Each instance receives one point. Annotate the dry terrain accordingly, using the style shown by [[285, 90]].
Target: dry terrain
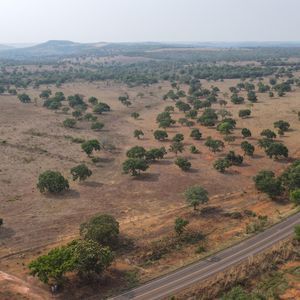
[[32, 140]]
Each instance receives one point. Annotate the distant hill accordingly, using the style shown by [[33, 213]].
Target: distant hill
[[5, 47]]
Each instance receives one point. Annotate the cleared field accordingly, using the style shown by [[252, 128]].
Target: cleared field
[[32, 140]]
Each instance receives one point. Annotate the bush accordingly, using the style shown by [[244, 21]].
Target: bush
[[89, 146], [222, 164], [81, 172], [183, 163], [69, 123], [97, 126], [52, 182]]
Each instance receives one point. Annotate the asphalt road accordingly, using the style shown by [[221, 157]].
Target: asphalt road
[[185, 277]]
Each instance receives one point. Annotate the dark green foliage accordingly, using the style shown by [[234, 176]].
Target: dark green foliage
[[295, 196], [69, 123], [234, 159], [155, 154], [282, 125], [176, 147], [90, 117], [138, 133], [97, 126], [180, 225], [251, 96], [76, 114], [276, 150], [52, 103], [297, 232], [196, 134], [208, 118], [89, 146], [246, 132], [135, 115], [247, 148], [81, 172], [52, 182], [244, 113], [101, 108], [45, 94], [160, 135], [269, 134], [193, 149], [236, 99], [135, 166], [93, 100], [182, 106], [178, 137], [222, 164], [290, 178], [24, 98], [265, 143], [136, 152], [214, 145], [103, 229], [183, 163], [76, 101], [265, 181], [196, 195]]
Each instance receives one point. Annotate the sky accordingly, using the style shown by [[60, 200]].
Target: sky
[[35, 21]]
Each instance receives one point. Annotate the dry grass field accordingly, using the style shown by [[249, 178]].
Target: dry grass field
[[32, 140]]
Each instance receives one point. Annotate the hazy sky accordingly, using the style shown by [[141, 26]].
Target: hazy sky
[[149, 20]]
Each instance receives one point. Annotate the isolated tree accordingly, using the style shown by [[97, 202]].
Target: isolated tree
[[52, 182], [24, 98], [282, 125], [169, 109], [89, 146], [214, 145], [93, 100], [193, 149], [266, 182], [59, 96], [222, 164], [276, 150], [236, 99], [182, 106], [234, 159], [101, 108], [76, 114], [196, 195], [176, 147], [251, 96], [180, 225], [135, 166], [268, 133], [138, 133], [90, 117], [45, 94], [196, 134], [97, 126], [290, 178], [244, 113], [103, 229], [178, 137], [69, 123], [160, 135], [246, 132], [135, 115], [136, 152], [81, 172], [183, 163], [247, 148]]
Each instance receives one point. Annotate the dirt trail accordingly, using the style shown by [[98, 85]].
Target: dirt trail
[[12, 287]]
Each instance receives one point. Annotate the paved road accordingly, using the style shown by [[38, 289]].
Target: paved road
[[172, 283]]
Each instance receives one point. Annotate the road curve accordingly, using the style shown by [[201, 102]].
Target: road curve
[[185, 277]]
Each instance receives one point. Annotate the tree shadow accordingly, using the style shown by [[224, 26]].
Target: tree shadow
[[256, 156], [93, 184], [149, 177], [211, 211], [193, 171], [67, 194], [6, 232], [164, 162]]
